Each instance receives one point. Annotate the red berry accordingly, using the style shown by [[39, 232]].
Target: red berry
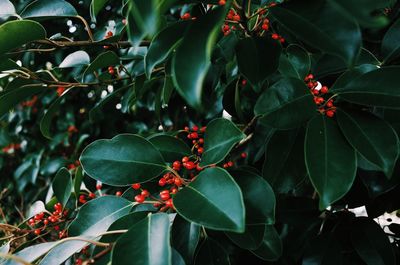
[[174, 190], [329, 104], [145, 193], [118, 193], [265, 26], [201, 141], [45, 221], [203, 129], [324, 90], [186, 128], [243, 155], [195, 128], [139, 198], [92, 195], [164, 195], [275, 36], [136, 186], [178, 182], [200, 150], [37, 232], [185, 16], [176, 164], [194, 135], [162, 182], [236, 17], [56, 228], [169, 203], [111, 71], [330, 113], [189, 165], [98, 186], [185, 159], [230, 164], [222, 2]]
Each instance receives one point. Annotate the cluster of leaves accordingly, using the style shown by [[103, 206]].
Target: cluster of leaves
[[98, 165]]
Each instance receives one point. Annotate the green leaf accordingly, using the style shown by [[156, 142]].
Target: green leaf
[[252, 55], [295, 62], [105, 59], [330, 160], [251, 239], [18, 33], [258, 196], [122, 223], [95, 7], [323, 250], [220, 137], [45, 122], [49, 9], [211, 252], [6, 9], [372, 137], [32, 253], [368, 13], [93, 219], [147, 242], [62, 186], [350, 75], [189, 68], [284, 165], [10, 99], [78, 58], [390, 45], [271, 246], [143, 20], [375, 88], [123, 160], [177, 258], [371, 242], [170, 147], [184, 238], [213, 200], [311, 21], [98, 112], [286, 104], [163, 44]]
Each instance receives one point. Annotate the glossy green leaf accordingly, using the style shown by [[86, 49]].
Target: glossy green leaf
[[78, 58], [62, 185], [372, 137], [46, 121], [367, 12], [220, 137], [323, 250], [123, 160], [95, 7], [177, 258], [48, 8], [10, 99], [170, 147], [284, 166], [213, 200], [311, 21], [104, 60], [286, 104], [200, 37], [147, 242], [185, 237], [350, 75], [252, 55], [271, 246], [163, 44], [211, 252], [18, 33], [251, 238], [258, 196], [93, 219], [371, 242], [32, 253], [390, 45], [6, 9], [125, 222], [375, 88], [330, 160], [143, 19], [295, 62]]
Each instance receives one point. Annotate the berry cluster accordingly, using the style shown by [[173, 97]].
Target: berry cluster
[[40, 222], [231, 18], [30, 103], [74, 165], [319, 92]]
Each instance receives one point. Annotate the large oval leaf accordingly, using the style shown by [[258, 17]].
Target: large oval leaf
[[311, 21], [32, 253], [372, 137], [123, 160], [170, 147], [286, 104], [213, 200], [189, 69], [62, 185], [49, 8], [252, 55], [163, 44], [18, 33], [220, 137], [371, 242], [295, 62], [251, 238], [330, 160], [10, 99], [93, 219], [147, 242], [390, 45], [6, 9], [184, 238], [375, 88], [78, 58], [271, 246]]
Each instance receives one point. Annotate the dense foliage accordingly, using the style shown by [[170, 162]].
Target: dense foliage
[[154, 132]]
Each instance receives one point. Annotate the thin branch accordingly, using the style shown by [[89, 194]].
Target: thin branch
[[86, 27]]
